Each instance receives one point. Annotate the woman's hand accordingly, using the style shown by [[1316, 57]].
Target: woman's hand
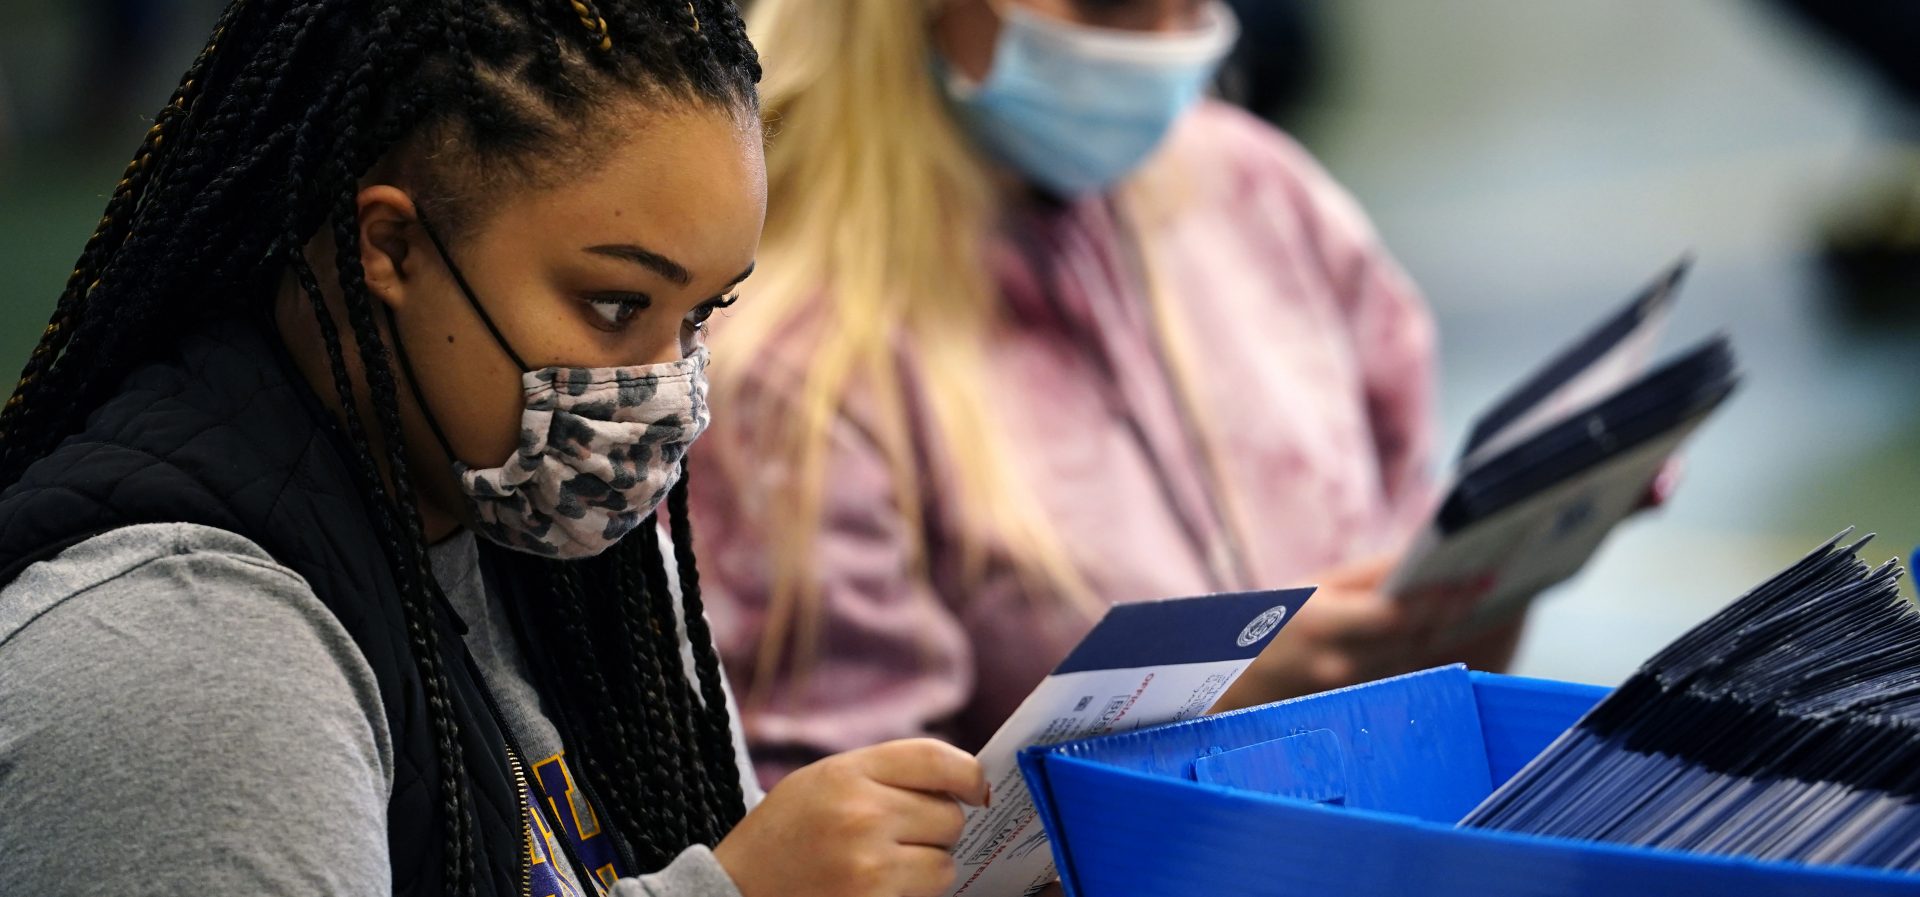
[[875, 822], [1349, 632]]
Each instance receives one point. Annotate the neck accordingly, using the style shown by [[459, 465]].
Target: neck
[[437, 525]]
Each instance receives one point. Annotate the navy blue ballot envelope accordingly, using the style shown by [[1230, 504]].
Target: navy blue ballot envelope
[[1784, 728], [1557, 463]]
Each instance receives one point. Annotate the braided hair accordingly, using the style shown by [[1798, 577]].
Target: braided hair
[[263, 145]]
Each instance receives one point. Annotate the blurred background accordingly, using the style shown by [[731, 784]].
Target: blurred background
[[1532, 164]]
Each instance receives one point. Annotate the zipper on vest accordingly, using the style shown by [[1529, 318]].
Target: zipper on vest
[[526, 828], [538, 800]]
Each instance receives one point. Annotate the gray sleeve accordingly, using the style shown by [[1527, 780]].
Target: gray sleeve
[[694, 873], [178, 714]]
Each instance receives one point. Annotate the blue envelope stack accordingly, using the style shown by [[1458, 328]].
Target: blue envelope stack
[[1356, 793]]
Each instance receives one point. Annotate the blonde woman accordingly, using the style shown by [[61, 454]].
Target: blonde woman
[[1039, 329]]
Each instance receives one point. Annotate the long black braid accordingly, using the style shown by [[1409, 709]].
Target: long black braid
[[718, 730], [260, 148]]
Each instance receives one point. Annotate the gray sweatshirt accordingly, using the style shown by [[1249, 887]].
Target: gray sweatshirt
[[181, 715]]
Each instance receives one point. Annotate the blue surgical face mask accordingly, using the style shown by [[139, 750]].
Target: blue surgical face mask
[[1076, 109]]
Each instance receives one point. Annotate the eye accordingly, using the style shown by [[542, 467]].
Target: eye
[[616, 309], [698, 318]]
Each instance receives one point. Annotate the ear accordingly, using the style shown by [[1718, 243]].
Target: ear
[[390, 242]]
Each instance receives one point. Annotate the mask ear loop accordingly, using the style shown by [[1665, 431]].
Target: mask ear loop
[[406, 361], [467, 291], [413, 385]]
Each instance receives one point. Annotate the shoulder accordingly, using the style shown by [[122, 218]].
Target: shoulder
[[1226, 137], [145, 553], [170, 677], [1231, 158], [178, 572], [190, 616]]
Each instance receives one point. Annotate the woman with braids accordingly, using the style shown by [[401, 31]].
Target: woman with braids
[[387, 275], [1121, 342]]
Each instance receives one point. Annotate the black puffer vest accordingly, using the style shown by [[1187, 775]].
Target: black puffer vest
[[227, 434]]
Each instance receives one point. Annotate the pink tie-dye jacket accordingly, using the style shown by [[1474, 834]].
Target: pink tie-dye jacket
[[1313, 374]]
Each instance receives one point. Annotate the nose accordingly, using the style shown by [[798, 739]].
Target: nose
[[683, 348], [1149, 16], [1176, 16]]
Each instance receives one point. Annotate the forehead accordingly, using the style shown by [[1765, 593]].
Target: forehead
[[685, 180]]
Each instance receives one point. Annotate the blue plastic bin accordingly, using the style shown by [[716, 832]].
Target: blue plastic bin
[[1354, 793]]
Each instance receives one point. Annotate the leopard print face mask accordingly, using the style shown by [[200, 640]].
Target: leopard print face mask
[[599, 448]]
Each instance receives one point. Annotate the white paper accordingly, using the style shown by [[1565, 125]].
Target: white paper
[[1004, 851]]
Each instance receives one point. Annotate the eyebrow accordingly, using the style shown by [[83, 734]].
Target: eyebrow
[[646, 258], [742, 276], [659, 264]]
